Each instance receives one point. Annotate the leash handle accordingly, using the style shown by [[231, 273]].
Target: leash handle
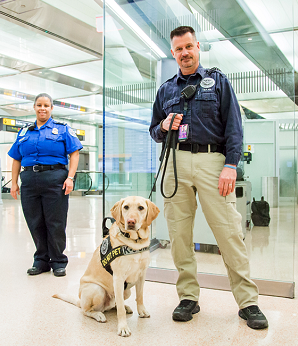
[[171, 139]]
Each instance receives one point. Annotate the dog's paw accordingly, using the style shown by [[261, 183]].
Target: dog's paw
[[143, 313], [100, 317], [97, 315], [123, 330], [128, 309]]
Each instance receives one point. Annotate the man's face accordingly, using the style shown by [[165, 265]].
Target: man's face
[[185, 50]]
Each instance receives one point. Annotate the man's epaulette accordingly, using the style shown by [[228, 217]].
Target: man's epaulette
[[59, 122], [168, 80], [211, 70]]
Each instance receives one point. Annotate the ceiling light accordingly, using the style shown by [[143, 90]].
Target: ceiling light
[[134, 27], [249, 39]]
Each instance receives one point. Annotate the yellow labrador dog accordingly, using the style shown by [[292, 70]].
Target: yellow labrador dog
[[118, 264]]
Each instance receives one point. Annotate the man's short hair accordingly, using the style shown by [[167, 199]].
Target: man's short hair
[[182, 30]]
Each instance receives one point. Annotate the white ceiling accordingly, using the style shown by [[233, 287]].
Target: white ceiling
[[32, 85], [7, 71], [24, 44], [91, 72], [84, 10], [274, 14]]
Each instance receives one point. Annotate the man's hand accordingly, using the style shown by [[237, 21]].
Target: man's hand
[[68, 186], [176, 123], [14, 190], [227, 179]]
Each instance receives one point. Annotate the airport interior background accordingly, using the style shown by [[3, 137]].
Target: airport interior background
[[103, 61]]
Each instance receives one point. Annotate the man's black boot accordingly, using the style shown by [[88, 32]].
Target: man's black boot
[[185, 310], [254, 316]]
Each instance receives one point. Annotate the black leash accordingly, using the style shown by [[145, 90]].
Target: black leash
[[170, 144], [187, 93]]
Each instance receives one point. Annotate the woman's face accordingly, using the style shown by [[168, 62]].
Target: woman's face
[[43, 109]]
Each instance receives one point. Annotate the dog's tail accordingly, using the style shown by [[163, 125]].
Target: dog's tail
[[69, 299]]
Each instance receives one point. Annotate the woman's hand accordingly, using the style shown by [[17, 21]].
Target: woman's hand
[[15, 190], [68, 186], [73, 165], [15, 171]]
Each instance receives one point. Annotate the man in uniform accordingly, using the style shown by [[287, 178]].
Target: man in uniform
[[208, 150]]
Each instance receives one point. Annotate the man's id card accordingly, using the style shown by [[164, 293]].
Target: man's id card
[[183, 132]]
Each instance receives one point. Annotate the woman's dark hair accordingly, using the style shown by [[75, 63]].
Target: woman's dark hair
[[44, 95], [182, 30]]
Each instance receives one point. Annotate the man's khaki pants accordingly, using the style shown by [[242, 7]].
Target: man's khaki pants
[[199, 173]]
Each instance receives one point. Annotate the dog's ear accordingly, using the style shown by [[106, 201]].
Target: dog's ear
[[116, 210], [152, 212]]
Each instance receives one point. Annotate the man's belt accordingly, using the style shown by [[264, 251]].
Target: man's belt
[[200, 148], [41, 168]]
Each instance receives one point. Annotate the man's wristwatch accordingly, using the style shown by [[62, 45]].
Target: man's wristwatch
[[161, 128], [70, 178]]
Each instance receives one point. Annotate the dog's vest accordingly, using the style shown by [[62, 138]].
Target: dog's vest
[[108, 254]]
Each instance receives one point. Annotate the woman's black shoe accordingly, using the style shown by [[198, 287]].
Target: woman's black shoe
[[60, 272], [36, 271], [185, 310]]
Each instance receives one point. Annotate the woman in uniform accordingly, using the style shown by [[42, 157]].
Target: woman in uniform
[[42, 150]]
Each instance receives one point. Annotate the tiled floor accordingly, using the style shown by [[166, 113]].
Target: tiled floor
[[30, 316]]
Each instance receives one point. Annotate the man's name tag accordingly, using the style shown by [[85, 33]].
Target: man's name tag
[[183, 132]]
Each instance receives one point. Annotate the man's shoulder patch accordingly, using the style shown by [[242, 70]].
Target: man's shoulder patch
[[211, 70], [168, 80]]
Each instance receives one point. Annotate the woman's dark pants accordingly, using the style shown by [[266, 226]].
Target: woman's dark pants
[[45, 209]]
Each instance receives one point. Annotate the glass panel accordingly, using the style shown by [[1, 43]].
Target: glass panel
[[129, 88], [256, 53]]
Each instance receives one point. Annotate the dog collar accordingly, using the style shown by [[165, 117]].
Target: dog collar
[[127, 235]]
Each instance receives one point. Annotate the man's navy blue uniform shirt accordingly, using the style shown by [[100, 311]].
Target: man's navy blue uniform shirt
[[213, 113], [48, 145]]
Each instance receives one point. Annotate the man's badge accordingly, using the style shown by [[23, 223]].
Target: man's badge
[[207, 83], [55, 131]]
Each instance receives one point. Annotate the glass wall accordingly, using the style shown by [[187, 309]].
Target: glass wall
[[109, 101], [129, 88], [253, 43]]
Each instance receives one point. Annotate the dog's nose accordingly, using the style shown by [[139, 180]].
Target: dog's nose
[[131, 222]]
